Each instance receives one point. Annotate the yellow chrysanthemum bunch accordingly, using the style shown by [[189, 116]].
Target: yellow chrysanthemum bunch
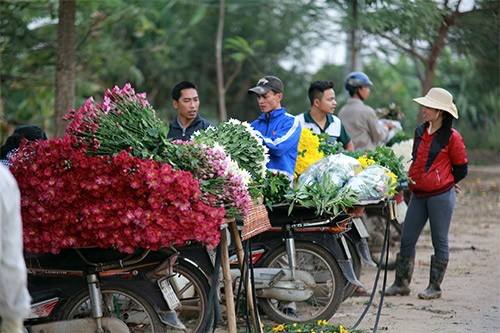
[[392, 181], [308, 151], [365, 161]]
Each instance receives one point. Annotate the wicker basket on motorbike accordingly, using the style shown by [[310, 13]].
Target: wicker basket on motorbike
[[256, 220]]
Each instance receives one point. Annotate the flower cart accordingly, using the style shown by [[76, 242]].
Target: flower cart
[[115, 182]]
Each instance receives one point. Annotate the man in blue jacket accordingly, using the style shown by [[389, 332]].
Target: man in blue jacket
[[279, 130], [186, 101]]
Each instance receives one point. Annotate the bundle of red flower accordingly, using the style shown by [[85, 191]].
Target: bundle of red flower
[[73, 199]]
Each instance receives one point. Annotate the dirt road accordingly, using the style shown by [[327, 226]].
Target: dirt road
[[471, 292]]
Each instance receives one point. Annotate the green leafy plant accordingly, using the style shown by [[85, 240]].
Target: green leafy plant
[[274, 188], [325, 196], [384, 156], [398, 137], [329, 148]]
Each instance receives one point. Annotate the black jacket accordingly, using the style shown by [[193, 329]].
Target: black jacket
[[177, 132]]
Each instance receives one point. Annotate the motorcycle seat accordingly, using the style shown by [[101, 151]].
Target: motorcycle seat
[[70, 259]]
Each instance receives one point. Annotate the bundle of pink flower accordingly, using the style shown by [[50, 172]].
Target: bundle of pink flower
[[125, 120], [73, 199]]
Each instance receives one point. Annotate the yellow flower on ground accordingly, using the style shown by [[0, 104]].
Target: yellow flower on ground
[[342, 329], [308, 151]]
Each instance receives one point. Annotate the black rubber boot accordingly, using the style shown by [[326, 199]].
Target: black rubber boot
[[404, 272], [438, 268]]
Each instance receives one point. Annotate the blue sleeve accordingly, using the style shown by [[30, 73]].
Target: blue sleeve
[[287, 138]]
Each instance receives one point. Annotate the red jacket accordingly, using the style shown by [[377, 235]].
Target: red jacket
[[436, 169]]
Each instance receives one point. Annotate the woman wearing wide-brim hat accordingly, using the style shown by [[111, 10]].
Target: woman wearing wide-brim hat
[[439, 162]]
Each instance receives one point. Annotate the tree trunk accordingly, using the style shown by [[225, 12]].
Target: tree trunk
[[65, 65], [219, 67], [431, 61], [353, 41]]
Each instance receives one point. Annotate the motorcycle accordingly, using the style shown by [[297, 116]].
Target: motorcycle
[[301, 264], [82, 290]]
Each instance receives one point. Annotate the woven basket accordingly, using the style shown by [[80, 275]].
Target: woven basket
[[256, 221]]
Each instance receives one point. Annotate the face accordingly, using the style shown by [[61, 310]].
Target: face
[[188, 104], [430, 114], [328, 102], [269, 101], [365, 92]]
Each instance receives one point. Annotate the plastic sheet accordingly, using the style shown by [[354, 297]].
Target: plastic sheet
[[340, 167], [373, 183]]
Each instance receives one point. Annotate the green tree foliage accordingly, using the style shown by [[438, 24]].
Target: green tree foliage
[[439, 43], [27, 92], [155, 44], [474, 65]]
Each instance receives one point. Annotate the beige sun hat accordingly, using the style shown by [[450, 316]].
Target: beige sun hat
[[438, 98]]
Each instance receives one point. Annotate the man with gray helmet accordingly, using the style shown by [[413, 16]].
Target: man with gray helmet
[[359, 119]]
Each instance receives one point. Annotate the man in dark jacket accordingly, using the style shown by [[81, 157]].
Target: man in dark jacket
[[186, 101]]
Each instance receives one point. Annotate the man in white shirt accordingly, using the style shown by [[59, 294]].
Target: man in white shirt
[[320, 118], [14, 296]]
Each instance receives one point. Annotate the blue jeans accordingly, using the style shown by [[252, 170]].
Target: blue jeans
[[438, 209]]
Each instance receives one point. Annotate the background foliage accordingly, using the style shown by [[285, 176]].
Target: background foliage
[[155, 44]]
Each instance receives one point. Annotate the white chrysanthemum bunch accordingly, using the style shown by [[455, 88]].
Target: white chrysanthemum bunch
[[241, 142], [404, 148], [262, 152]]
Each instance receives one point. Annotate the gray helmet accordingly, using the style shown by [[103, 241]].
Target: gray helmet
[[356, 80]]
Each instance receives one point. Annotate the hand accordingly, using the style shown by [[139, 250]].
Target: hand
[[458, 189], [389, 125]]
